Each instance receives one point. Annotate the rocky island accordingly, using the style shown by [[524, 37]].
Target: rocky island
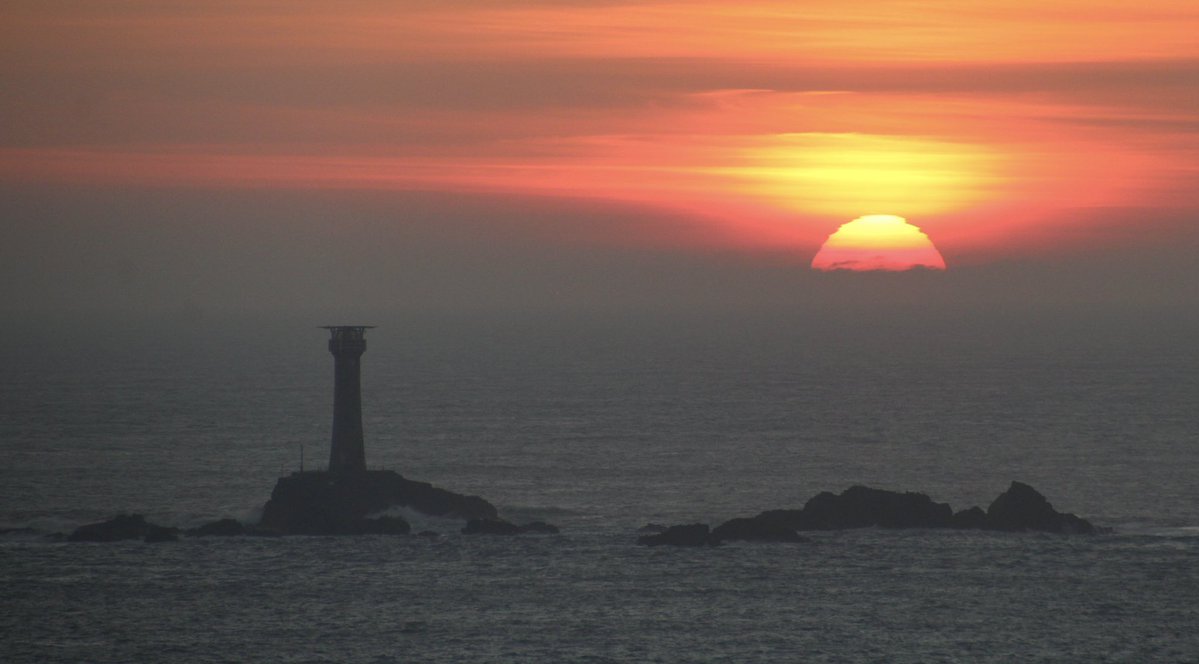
[[344, 499], [325, 503], [348, 499], [1020, 508]]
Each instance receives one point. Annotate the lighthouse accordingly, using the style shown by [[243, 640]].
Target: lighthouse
[[343, 500], [346, 452]]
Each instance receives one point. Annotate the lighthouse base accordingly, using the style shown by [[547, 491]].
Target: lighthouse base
[[324, 503]]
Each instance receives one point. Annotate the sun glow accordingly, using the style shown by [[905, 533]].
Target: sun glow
[[838, 173], [878, 242], [761, 121]]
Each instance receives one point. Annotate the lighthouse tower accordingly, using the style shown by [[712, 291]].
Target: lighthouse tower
[[346, 453]]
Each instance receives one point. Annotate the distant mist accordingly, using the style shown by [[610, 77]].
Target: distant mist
[[196, 258]]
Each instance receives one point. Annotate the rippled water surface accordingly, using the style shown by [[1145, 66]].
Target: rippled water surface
[[600, 431], [860, 596]]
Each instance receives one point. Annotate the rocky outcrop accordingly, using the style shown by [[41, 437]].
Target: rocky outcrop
[[498, 526], [320, 503], [124, 527], [323, 503], [1022, 507], [862, 507], [973, 518], [1019, 508], [695, 534]]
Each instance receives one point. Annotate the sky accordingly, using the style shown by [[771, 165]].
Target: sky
[[370, 158]]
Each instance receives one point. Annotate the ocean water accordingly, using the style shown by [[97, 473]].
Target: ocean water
[[601, 426]]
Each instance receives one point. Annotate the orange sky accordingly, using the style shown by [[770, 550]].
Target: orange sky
[[777, 120]]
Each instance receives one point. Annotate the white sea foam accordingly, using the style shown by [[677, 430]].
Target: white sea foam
[[421, 521]]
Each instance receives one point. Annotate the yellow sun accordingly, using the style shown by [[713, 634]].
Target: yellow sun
[[878, 242]]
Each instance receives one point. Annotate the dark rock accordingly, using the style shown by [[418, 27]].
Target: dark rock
[[972, 519], [826, 511], [219, 528], [323, 503], [755, 529], [120, 527], [1019, 508], [696, 534], [862, 507], [1022, 507]]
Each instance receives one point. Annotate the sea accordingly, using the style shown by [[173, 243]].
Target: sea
[[601, 424]]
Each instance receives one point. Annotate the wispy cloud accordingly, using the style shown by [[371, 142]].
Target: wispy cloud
[[724, 108]]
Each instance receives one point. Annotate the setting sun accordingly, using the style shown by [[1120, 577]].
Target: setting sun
[[878, 242]]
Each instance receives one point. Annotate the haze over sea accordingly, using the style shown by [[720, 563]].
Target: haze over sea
[[600, 424]]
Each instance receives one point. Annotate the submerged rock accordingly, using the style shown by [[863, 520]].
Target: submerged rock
[[123, 527], [323, 503], [695, 534]]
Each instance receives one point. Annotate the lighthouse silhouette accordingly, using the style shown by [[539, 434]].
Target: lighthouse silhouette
[[346, 452]]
